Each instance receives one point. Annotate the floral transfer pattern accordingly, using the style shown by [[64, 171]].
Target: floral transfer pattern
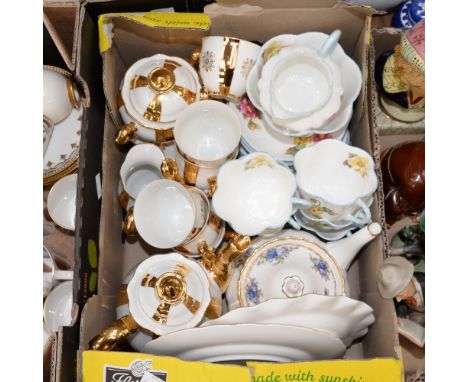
[[321, 267], [318, 210], [358, 163], [250, 112], [253, 292], [246, 66], [207, 61], [258, 161], [276, 255], [303, 142]]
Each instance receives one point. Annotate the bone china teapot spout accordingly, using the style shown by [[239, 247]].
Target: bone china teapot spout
[[345, 250]]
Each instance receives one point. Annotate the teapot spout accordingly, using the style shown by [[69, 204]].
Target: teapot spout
[[345, 250]]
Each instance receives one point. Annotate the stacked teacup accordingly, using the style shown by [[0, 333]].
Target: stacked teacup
[[302, 87]]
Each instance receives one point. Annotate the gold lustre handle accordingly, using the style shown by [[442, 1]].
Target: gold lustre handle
[[113, 336], [126, 134]]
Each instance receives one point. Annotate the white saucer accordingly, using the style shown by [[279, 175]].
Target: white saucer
[[58, 306], [258, 135], [260, 342], [61, 156], [325, 232], [340, 316]]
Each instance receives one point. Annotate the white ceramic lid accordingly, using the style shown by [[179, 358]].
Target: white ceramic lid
[[168, 293], [254, 194], [164, 213], [288, 267], [336, 172], [248, 342], [157, 88]]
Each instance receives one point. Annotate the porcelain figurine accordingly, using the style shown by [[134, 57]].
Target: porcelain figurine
[[400, 74], [397, 279], [403, 172], [410, 242]]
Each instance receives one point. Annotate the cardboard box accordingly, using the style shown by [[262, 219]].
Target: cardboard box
[[382, 40], [132, 41], [61, 21]]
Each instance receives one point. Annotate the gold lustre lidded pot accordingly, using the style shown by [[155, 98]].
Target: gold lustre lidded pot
[[153, 93]]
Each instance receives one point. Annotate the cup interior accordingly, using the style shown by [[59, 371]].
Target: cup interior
[[164, 213], [139, 176], [207, 131], [58, 306], [301, 84], [61, 202]]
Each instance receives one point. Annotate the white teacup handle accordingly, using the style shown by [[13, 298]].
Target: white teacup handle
[[330, 44], [299, 203], [360, 221], [293, 223], [63, 275]]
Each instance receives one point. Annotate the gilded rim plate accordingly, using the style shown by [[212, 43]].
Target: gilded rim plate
[[259, 342], [288, 267], [61, 156]]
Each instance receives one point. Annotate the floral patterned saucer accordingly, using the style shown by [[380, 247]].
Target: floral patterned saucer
[[61, 156], [288, 267], [257, 134]]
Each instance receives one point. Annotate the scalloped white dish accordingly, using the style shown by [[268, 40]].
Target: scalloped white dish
[[259, 342], [341, 316], [254, 194]]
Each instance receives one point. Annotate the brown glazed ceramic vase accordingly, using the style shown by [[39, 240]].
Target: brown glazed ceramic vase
[[403, 172]]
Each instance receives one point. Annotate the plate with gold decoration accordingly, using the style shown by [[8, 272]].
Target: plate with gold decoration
[[258, 135], [288, 267], [61, 155]]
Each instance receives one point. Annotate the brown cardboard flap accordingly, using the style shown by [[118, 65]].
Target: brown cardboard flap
[[61, 20], [382, 339]]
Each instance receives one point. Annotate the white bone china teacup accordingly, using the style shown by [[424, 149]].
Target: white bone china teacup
[[338, 180]]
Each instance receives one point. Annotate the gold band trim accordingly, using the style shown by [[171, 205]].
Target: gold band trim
[[186, 94], [164, 136], [215, 309], [190, 172], [50, 179], [71, 93], [122, 295], [138, 82], [153, 111], [160, 316], [182, 269], [191, 304], [149, 281], [228, 64]]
